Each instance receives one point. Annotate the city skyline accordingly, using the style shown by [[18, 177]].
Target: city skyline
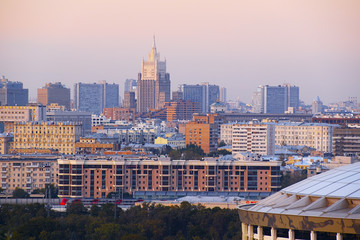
[[313, 45]]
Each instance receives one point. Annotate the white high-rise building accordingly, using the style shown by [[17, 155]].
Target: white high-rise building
[[253, 137], [223, 94], [275, 99], [317, 106]]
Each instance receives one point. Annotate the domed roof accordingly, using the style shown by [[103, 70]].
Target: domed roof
[[335, 193]]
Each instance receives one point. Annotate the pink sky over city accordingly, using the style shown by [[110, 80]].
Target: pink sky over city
[[314, 44]]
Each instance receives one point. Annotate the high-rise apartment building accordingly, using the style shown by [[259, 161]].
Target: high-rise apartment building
[[130, 85], [110, 95], [177, 95], [181, 110], [254, 138], [223, 95], [54, 93], [317, 106], [275, 99], [205, 94], [129, 100], [203, 131], [94, 97], [153, 86], [13, 93]]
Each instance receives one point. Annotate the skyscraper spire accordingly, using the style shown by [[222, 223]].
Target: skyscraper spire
[[154, 44]]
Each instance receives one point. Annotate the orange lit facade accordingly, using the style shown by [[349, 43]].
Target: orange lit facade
[[203, 131], [96, 178], [91, 146], [27, 172], [181, 110], [116, 113], [59, 136]]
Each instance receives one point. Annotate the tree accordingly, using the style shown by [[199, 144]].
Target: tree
[[222, 143], [38, 191], [20, 193], [175, 154], [53, 191], [167, 149], [76, 207]]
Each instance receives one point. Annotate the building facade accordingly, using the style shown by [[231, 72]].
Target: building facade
[[346, 141], [130, 85], [96, 178], [317, 106], [203, 131], [126, 114], [181, 110], [275, 99], [6, 141], [28, 172], [253, 137], [73, 116], [205, 94], [226, 133], [129, 100], [153, 85], [54, 93], [314, 135], [13, 93], [60, 136], [22, 113], [94, 97]]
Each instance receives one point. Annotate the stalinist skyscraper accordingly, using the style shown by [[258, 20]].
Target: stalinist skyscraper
[[153, 85]]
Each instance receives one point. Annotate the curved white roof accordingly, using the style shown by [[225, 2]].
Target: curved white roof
[[334, 194], [339, 182]]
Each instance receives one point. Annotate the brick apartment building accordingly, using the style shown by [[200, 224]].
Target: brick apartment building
[[96, 177]]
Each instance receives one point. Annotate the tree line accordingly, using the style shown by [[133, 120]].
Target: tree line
[[148, 221]]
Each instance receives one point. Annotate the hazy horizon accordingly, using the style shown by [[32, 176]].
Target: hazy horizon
[[237, 44]]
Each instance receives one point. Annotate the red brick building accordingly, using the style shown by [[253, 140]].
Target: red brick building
[[116, 113], [96, 178]]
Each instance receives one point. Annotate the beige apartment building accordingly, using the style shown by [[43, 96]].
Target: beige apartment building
[[226, 133], [27, 172], [314, 135], [253, 137], [11, 114], [59, 136], [22, 113]]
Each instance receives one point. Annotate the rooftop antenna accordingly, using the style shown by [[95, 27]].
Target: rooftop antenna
[[154, 44]]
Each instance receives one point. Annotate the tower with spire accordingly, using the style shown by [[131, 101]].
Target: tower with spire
[[153, 84]]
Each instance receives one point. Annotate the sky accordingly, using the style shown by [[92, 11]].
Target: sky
[[237, 44]]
